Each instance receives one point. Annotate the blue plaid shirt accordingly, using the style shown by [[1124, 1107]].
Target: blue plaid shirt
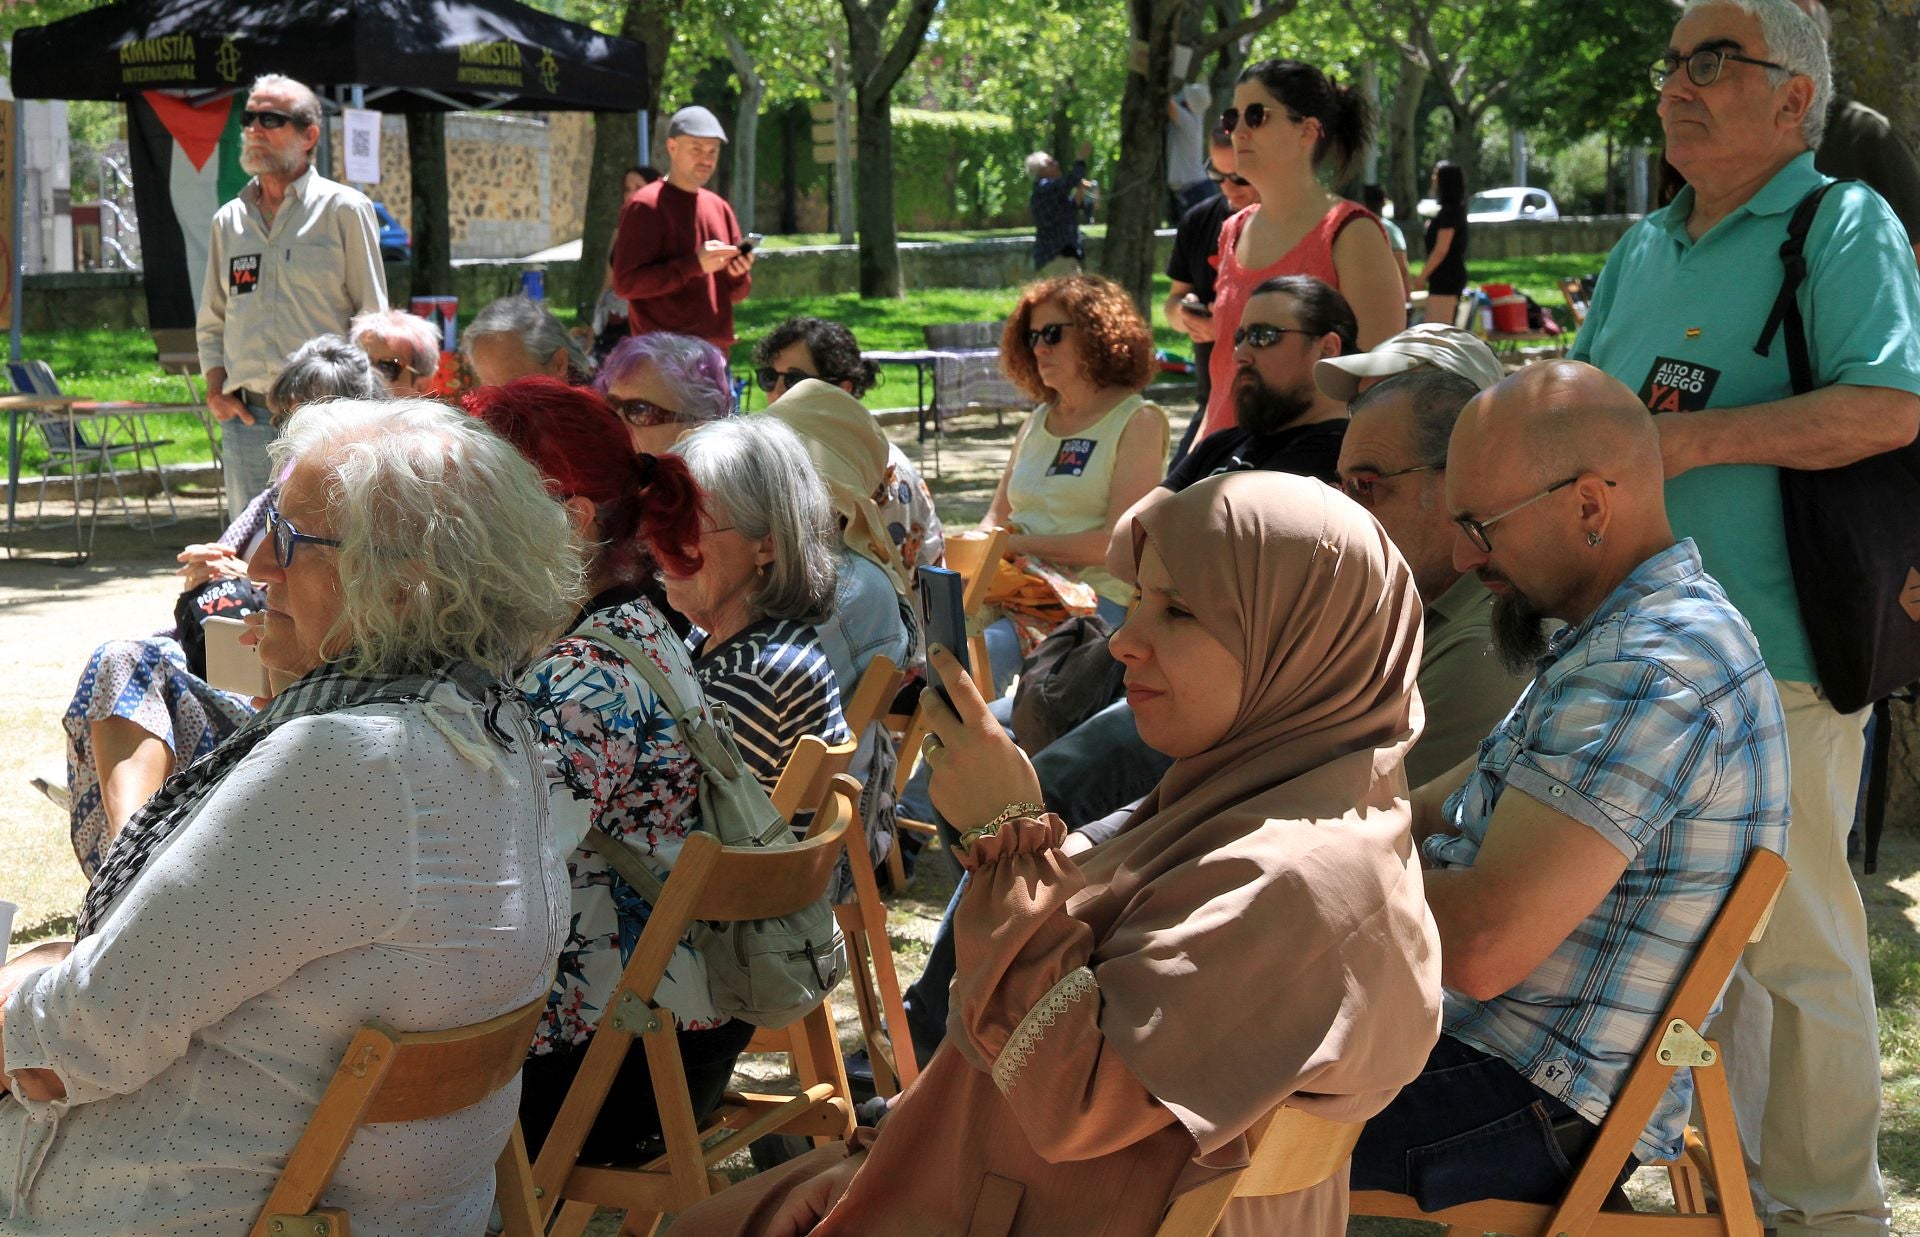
[[1656, 724]]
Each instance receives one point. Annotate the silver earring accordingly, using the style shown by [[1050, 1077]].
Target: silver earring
[[1594, 539]]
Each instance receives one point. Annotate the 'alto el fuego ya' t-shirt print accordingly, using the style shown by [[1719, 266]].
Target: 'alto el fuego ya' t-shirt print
[[1677, 386], [243, 273], [1071, 459]]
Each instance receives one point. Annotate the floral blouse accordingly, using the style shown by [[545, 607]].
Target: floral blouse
[[615, 759]]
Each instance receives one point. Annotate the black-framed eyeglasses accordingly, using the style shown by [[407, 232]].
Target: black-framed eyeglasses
[[266, 120], [1359, 486], [1257, 335], [1476, 530], [1703, 65], [641, 413], [1219, 177], [287, 538], [1050, 335], [768, 377], [1255, 114], [391, 369]]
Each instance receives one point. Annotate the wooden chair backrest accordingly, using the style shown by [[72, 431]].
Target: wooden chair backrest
[[388, 1076], [879, 684], [976, 555], [1571, 288], [1738, 924], [747, 883], [1289, 1150], [814, 762]]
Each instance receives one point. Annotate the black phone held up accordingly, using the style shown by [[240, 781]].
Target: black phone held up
[[750, 241], [943, 616], [1199, 309]]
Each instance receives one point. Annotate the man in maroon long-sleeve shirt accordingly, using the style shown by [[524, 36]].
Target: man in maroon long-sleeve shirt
[[677, 257]]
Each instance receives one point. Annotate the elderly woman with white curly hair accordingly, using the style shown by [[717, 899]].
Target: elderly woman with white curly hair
[[372, 844]]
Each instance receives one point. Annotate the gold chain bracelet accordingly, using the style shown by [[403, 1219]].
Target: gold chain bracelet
[[1008, 814]]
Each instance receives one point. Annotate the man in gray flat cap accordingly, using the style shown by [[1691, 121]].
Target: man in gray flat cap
[[677, 258]]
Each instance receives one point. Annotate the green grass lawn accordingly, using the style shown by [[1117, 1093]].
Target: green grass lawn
[[119, 364]]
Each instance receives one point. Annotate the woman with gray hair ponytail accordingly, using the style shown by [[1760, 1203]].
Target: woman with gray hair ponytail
[[767, 575]]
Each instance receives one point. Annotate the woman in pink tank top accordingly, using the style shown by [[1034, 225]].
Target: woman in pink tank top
[[1288, 121]]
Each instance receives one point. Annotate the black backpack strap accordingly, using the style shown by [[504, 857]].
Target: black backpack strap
[[1786, 306]]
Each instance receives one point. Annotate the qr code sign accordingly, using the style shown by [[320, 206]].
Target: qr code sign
[[362, 144]]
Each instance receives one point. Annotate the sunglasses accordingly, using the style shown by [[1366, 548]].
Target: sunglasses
[[641, 413], [1050, 335], [1259, 335], [1359, 486], [1255, 114], [1476, 530], [768, 377], [391, 369], [1219, 177], [287, 538], [266, 120]]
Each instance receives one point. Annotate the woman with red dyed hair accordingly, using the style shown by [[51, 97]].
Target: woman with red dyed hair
[[615, 755]]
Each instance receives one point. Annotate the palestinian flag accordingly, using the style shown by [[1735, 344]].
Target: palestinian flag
[[186, 163]]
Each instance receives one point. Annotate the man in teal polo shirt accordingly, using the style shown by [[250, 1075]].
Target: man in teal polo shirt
[[1683, 299]]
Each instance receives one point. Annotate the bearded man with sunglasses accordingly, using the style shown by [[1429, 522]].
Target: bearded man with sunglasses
[[1678, 315], [295, 255]]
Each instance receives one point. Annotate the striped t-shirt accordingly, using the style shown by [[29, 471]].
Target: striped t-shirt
[[777, 685]]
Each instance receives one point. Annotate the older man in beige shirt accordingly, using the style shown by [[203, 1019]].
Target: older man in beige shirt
[[295, 255]]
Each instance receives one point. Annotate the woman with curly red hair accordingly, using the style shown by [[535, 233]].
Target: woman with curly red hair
[[615, 757], [1093, 447]]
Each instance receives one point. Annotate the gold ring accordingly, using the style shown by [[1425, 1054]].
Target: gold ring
[[931, 744]]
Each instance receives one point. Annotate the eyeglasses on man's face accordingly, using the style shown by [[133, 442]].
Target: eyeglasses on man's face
[[287, 538], [1219, 177], [1703, 65], [1476, 530], [1359, 484], [265, 119], [1258, 335], [391, 368]]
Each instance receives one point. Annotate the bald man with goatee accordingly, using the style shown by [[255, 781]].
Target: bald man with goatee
[[1575, 861]]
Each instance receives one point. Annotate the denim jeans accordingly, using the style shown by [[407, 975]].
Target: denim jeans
[[1098, 767], [1470, 1127], [243, 458]]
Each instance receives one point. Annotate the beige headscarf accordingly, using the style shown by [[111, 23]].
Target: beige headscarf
[[850, 454], [1263, 933]]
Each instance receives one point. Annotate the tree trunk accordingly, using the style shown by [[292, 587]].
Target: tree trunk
[[1464, 146], [615, 142], [432, 233], [746, 130], [1875, 44], [873, 197], [842, 92], [1403, 154], [877, 67], [1133, 204]]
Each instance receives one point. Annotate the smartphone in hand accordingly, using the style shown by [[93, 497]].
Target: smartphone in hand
[[943, 616], [1199, 309], [752, 240]]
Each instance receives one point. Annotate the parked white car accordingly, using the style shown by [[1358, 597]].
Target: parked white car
[[1511, 204]]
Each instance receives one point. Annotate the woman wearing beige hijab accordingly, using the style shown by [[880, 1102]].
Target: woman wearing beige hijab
[[1257, 933]]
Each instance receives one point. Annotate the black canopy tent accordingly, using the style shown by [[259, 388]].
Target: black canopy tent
[[391, 55], [443, 55]]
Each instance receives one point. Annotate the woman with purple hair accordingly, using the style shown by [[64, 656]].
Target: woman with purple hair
[[663, 386]]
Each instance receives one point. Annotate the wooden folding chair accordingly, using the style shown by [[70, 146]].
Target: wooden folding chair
[[1712, 1151], [1576, 294], [1289, 1150], [876, 982], [389, 1076], [976, 555], [810, 768], [718, 884], [878, 685]]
